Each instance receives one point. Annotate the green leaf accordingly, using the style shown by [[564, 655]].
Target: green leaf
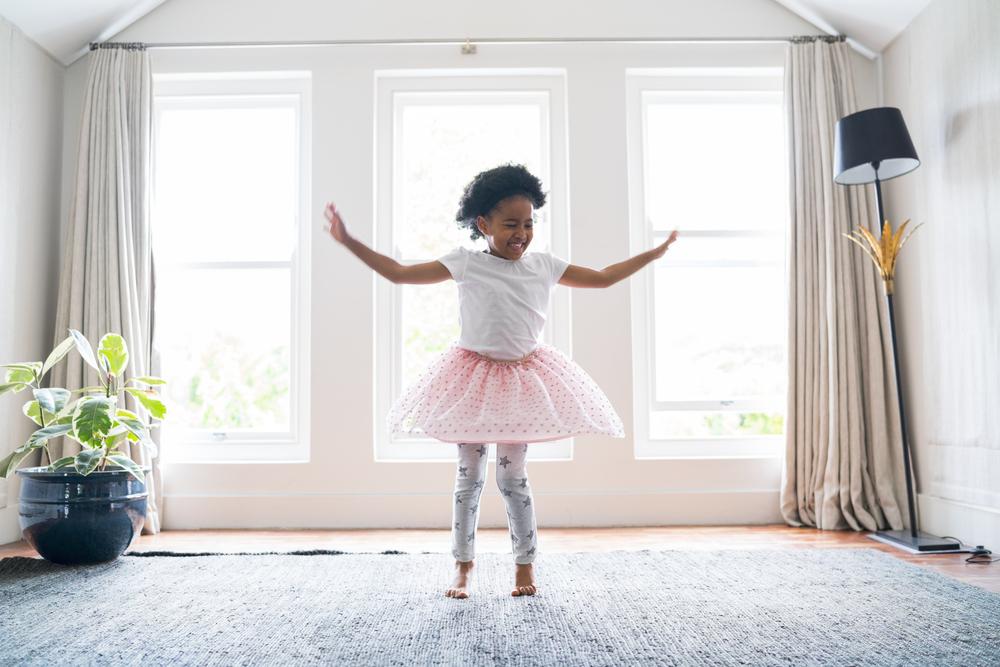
[[88, 459], [122, 412], [24, 365], [43, 435], [20, 375], [114, 439], [5, 463], [128, 464], [60, 351], [149, 400], [62, 463], [92, 419], [15, 387], [84, 348], [138, 429], [113, 347], [31, 411], [24, 372], [149, 379], [52, 400], [12, 460]]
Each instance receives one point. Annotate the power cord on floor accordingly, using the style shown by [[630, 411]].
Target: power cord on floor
[[980, 555]]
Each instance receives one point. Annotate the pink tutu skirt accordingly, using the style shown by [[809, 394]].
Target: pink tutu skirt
[[464, 396]]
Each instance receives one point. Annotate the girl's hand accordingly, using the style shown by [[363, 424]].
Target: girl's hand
[[659, 250], [337, 228]]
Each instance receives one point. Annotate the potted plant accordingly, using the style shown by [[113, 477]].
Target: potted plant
[[85, 508]]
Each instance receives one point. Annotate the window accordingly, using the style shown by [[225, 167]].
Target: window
[[435, 130], [707, 156], [231, 259]]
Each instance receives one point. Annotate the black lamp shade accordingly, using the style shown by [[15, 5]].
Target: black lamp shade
[[872, 136]]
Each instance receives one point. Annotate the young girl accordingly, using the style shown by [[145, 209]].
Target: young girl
[[499, 383]]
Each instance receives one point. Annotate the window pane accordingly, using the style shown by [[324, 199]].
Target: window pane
[[224, 339], [706, 250], [441, 148], [430, 324], [692, 424], [719, 332], [226, 184], [715, 166]]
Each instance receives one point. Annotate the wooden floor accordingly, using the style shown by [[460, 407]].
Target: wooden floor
[[493, 540]]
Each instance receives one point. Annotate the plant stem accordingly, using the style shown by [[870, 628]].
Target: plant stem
[[41, 420], [41, 413]]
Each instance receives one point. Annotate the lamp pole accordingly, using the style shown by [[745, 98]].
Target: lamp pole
[[889, 288]]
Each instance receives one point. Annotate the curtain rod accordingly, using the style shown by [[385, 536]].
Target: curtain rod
[[469, 44]]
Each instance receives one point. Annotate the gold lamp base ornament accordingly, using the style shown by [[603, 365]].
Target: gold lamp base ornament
[[883, 251]]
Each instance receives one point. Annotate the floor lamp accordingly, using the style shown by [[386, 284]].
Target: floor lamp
[[872, 146]]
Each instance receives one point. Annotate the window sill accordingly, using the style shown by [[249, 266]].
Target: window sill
[[269, 452]]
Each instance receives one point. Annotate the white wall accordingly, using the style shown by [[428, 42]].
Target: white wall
[[943, 72], [31, 85], [343, 487]]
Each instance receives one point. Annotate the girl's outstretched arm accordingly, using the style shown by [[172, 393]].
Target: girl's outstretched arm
[[581, 276], [387, 267]]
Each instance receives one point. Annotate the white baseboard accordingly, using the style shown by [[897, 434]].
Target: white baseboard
[[973, 524], [351, 511], [938, 516]]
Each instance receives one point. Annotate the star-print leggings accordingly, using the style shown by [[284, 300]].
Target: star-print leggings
[[512, 480]]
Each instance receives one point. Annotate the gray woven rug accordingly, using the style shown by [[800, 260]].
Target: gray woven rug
[[803, 607]]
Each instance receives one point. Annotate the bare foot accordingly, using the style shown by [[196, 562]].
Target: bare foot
[[524, 580], [459, 589]]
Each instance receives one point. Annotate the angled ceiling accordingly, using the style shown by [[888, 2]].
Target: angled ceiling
[[64, 28], [871, 26]]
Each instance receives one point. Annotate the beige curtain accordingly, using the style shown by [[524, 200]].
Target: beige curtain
[[843, 460], [106, 283]]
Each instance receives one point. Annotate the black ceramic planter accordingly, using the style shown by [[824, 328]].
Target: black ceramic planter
[[75, 519]]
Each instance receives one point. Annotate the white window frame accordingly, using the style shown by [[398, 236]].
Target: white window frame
[[510, 84], [255, 89], [733, 84]]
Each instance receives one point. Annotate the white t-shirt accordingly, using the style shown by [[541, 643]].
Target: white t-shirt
[[502, 303]]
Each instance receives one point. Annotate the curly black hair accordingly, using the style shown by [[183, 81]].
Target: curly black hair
[[492, 186]]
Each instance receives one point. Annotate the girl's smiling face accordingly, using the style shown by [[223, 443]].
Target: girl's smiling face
[[509, 227]]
